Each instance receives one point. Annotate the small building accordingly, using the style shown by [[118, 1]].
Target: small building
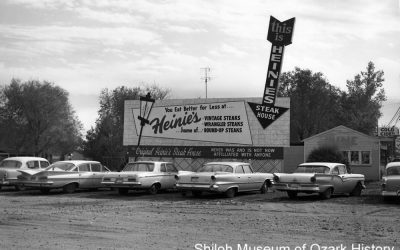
[[361, 150]]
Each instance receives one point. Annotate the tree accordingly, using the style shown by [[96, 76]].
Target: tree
[[37, 118], [362, 103], [104, 141], [314, 103]]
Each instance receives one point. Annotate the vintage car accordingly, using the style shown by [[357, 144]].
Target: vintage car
[[391, 181], [224, 177], [9, 169], [323, 178], [143, 175], [68, 175]]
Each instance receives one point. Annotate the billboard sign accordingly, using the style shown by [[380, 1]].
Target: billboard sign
[[224, 122]]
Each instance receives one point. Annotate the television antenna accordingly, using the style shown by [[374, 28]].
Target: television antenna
[[206, 76]]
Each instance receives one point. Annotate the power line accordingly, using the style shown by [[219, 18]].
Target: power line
[[206, 76]]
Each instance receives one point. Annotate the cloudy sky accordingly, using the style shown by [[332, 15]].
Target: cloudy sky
[[87, 45]]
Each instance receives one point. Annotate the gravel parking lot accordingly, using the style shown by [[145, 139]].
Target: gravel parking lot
[[253, 221]]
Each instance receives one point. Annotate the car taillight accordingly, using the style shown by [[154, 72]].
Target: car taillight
[[276, 178], [213, 178], [383, 186], [313, 179], [176, 177]]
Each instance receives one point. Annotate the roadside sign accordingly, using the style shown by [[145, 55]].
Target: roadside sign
[[280, 35]]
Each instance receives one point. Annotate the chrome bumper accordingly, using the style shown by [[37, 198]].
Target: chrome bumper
[[296, 187], [123, 184], [391, 193], [200, 187]]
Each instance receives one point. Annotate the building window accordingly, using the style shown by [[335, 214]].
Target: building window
[[365, 157], [358, 157]]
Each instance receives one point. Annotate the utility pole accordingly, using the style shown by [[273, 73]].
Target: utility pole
[[206, 77]]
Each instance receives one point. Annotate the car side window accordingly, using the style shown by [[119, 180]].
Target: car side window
[[163, 168], [44, 164], [342, 169], [96, 167], [84, 168], [32, 164], [239, 170], [335, 171], [171, 168], [247, 169]]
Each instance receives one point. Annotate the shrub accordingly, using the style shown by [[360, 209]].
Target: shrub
[[327, 154]]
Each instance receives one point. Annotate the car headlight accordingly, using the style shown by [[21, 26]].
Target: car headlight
[[276, 178]]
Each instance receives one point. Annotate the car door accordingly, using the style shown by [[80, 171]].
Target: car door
[[254, 181], [85, 176], [169, 177], [241, 178], [348, 182], [337, 180], [96, 175]]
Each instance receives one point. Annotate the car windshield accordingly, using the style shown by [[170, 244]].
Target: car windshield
[[65, 166], [395, 170], [139, 166], [10, 164], [216, 168], [312, 169]]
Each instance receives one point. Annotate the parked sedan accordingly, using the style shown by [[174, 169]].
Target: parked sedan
[[143, 175], [9, 169], [68, 175], [323, 178], [224, 177], [391, 181]]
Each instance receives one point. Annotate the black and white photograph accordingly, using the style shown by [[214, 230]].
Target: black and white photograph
[[199, 124]]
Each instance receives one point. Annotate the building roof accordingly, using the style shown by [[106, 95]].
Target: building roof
[[341, 127]]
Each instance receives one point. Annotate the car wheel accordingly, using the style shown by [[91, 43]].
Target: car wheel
[[357, 190], [20, 188], [264, 188], [326, 194], [292, 194], [230, 193], [154, 189], [45, 190], [123, 191], [69, 188]]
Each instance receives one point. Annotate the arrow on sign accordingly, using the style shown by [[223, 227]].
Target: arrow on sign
[[280, 35]]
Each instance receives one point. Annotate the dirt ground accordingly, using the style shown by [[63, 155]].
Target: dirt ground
[[252, 221]]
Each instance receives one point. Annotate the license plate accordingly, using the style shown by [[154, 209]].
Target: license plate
[[119, 180], [195, 179], [294, 185]]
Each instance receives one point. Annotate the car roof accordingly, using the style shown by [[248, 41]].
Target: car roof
[[393, 164], [149, 162], [326, 164], [76, 162], [25, 158]]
